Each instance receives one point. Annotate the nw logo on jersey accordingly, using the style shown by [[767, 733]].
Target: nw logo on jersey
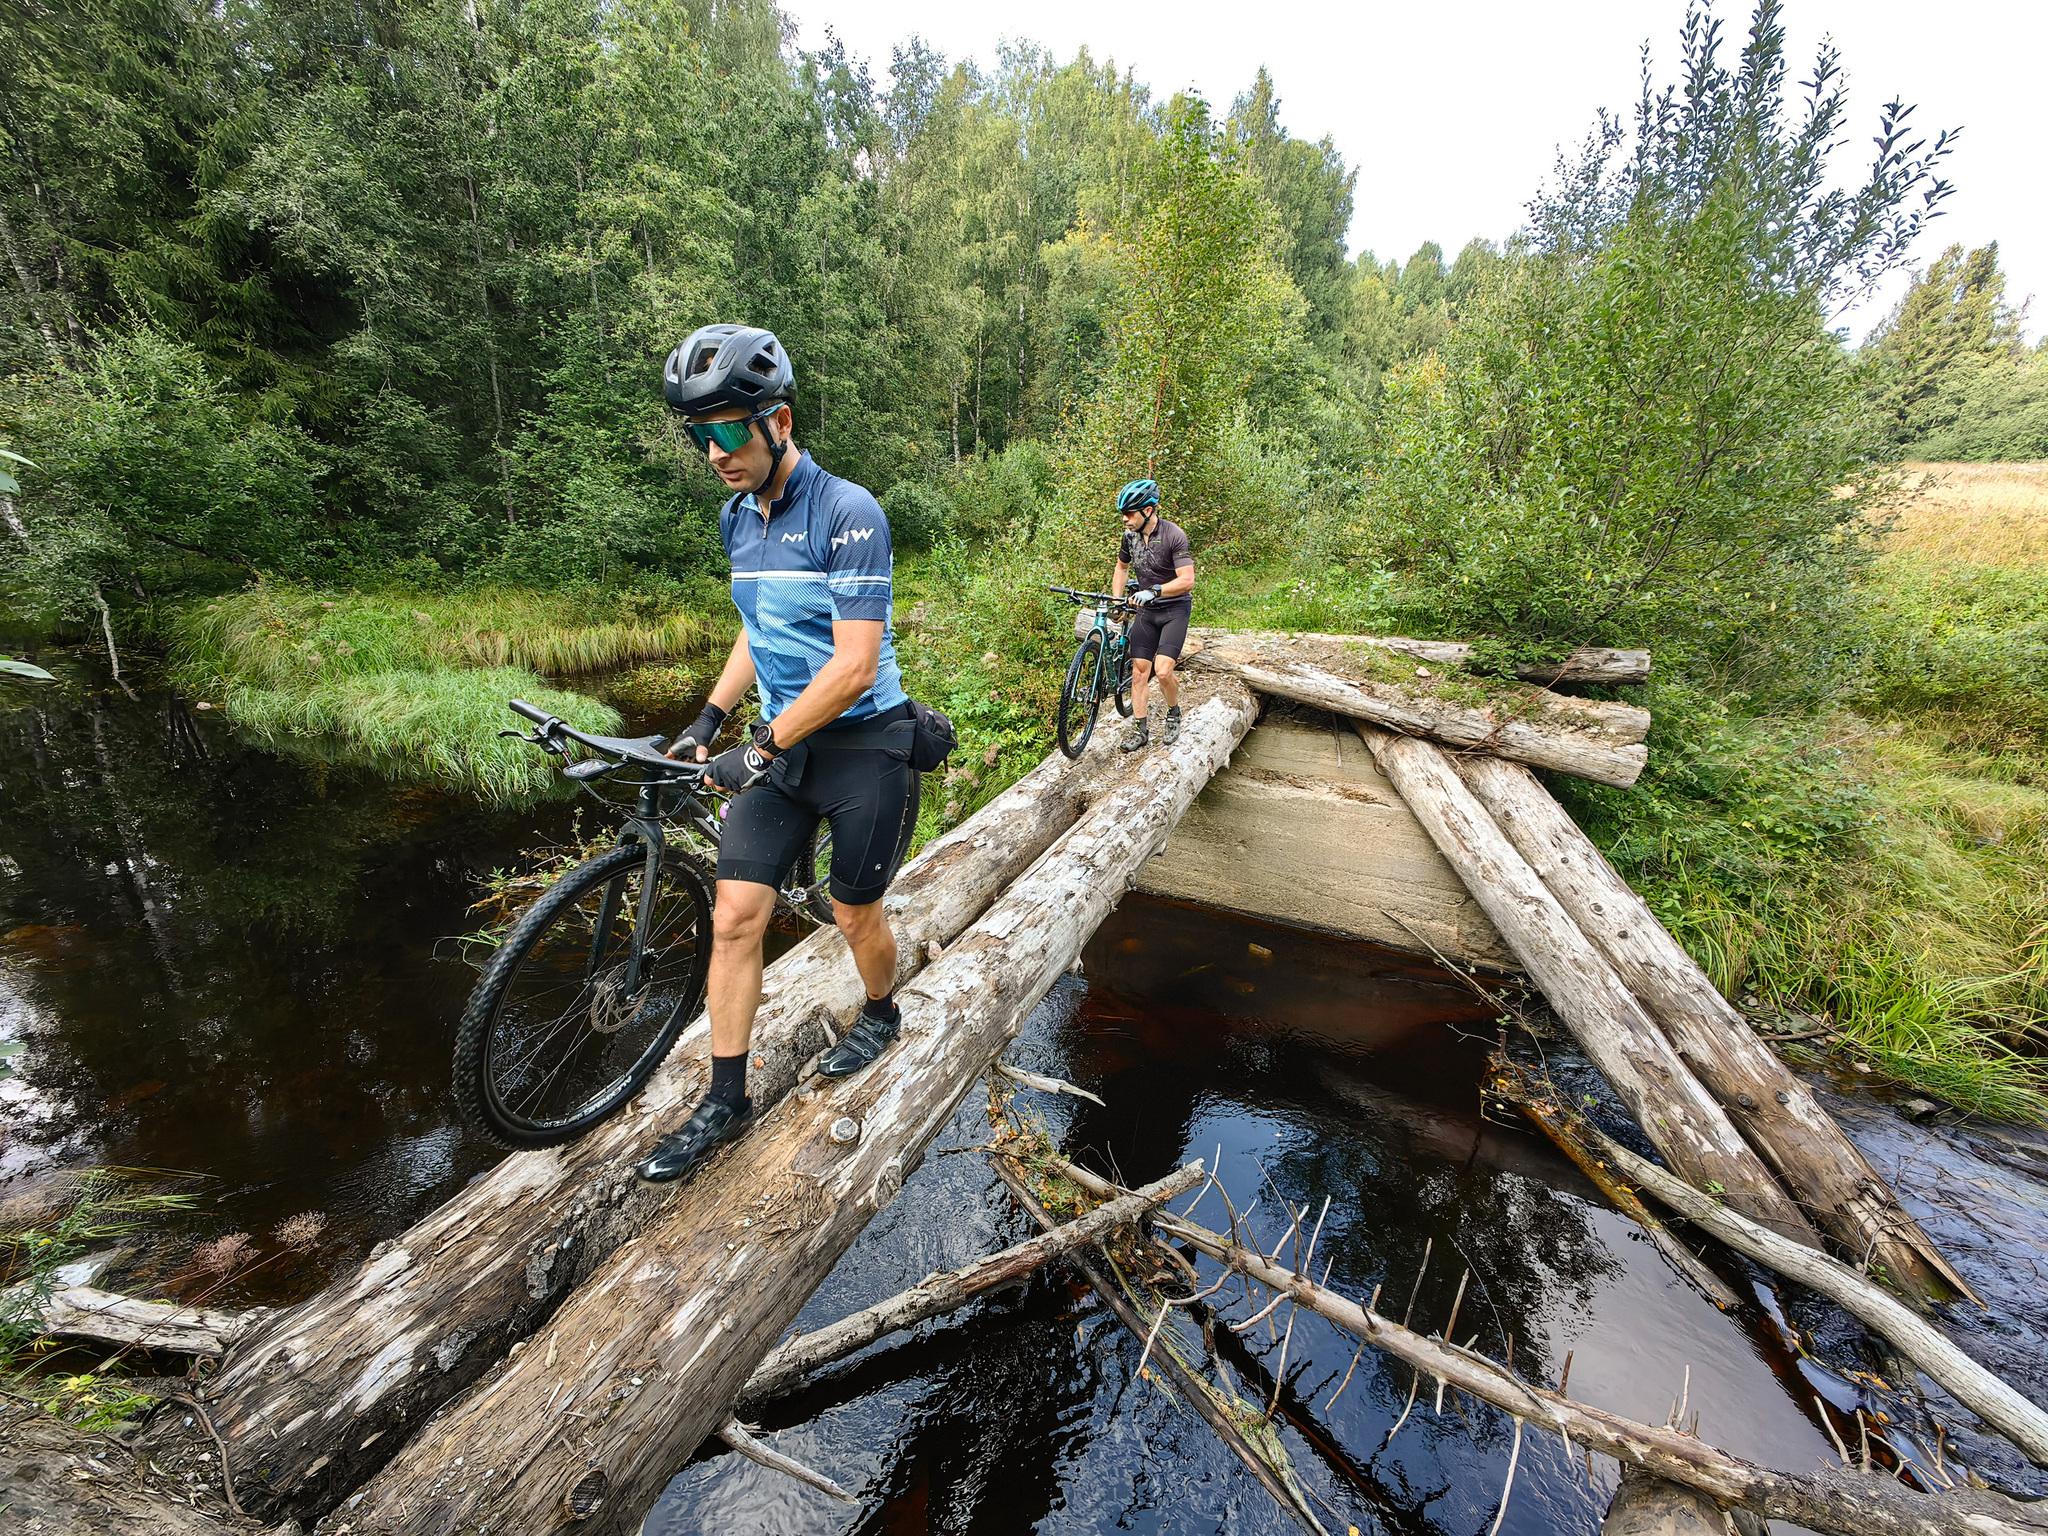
[[852, 536], [792, 538]]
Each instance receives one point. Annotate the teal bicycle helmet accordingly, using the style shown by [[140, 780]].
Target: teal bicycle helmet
[[1138, 494]]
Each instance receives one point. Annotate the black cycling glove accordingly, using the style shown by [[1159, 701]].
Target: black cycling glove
[[700, 734], [738, 768]]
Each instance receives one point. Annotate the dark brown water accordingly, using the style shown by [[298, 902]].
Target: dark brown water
[[241, 968]]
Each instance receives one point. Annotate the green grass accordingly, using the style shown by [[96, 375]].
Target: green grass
[[414, 686]]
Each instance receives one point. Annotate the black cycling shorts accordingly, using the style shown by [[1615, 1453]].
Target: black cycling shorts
[[869, 797], [1160, 630]]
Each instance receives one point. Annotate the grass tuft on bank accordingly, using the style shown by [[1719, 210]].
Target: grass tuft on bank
[[414, 685]]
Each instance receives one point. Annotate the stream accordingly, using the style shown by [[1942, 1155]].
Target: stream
[[242, 971]]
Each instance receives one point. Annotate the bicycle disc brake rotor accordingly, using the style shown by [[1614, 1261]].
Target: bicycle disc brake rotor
[[611, 1007]]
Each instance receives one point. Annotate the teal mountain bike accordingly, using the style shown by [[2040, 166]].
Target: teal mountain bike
[[1101, 667]]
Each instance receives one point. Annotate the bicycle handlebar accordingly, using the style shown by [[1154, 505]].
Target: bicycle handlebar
[[1079, 597], [550, 732]]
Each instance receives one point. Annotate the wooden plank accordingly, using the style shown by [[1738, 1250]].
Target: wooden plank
[[1587, 664], [1591, 739], [322, 1394]]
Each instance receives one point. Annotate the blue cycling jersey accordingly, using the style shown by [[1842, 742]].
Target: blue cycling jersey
[[822, 553]]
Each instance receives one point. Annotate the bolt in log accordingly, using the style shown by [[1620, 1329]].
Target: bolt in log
[[647, 1358]]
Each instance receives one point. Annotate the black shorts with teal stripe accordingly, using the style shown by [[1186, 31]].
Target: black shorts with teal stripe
[[868, 796]]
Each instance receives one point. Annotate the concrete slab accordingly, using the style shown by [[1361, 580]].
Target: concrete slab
[[1302, 828]]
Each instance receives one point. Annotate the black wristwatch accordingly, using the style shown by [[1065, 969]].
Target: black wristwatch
[[763, 739]]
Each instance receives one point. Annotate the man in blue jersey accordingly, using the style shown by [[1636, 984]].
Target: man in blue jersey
[[811, 571]]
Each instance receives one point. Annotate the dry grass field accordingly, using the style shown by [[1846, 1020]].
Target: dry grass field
[[1979, 514]]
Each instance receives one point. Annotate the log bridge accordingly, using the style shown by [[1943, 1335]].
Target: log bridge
[[546, 1349]]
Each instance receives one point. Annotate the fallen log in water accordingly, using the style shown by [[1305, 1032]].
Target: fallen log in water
[[322, 1395], [1649, 1506], [107, 1317], [936, 1295], [1587, 664], [1984, 1394], [1777, 1113], [1590, 738], [1834, 1503], [645, 1360], [1676, 1113]]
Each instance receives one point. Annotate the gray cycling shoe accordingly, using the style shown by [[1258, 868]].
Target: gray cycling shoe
[[860, 1045], [711, 1125], [1171, 734], [1137, 738]]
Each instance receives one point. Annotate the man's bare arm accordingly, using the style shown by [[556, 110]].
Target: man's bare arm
[[736, 678], [1116, 582], [1183, 581], [856, 657]]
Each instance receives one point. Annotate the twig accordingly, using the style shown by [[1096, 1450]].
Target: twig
[[1514, 1456], [1354, 1359], [1440, 1382], [1045, 1084], [227, 1475], [735, 1435], [1828, 1424]]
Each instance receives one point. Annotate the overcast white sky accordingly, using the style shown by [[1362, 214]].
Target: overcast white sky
[[1454, 112]]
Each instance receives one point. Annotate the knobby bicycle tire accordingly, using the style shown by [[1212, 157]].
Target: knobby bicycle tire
[[506, 1080], [1123, 680], [1082, 672]]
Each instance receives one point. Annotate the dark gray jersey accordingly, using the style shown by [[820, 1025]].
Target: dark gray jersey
[[1154, 561]]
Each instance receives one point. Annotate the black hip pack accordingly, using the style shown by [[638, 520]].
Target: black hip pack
[[924, 741]]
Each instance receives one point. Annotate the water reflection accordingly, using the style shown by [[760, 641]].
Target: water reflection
[[233, 965]]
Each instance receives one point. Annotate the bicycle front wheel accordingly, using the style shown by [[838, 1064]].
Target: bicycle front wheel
[[583, 999], [1079, 698]]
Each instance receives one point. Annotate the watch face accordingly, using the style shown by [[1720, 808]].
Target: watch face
[[764, 738]]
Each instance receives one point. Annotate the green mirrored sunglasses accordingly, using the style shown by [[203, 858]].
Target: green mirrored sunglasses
[[729, 435]]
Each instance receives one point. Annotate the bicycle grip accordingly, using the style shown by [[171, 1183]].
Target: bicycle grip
[[521, 707]]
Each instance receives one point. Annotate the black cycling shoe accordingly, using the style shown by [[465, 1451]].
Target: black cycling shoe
[[1171, 734], [711, 1125], [860, 1045]]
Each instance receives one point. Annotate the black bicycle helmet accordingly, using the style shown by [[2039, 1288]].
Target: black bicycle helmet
[[722, 366]]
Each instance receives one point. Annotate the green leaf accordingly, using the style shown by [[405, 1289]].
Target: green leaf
[[9, 667]]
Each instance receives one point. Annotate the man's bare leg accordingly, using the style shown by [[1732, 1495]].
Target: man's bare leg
[[1169, 681], [1141, 687], [868, 935], [739, 922]]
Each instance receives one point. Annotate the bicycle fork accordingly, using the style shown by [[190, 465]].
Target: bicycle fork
[[643, 827]]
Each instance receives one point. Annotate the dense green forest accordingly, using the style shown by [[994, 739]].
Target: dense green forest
[[333, 346], [1951, 369], [355, 292]]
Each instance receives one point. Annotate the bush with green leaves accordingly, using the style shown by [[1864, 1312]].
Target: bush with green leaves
[[1644, 432], [919, 514]]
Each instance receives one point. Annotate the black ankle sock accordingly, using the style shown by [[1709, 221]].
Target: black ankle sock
[[884, 1008], [729, 1078]]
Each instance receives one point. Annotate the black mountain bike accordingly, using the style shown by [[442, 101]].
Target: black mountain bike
[[589, 989], [1101, 665]]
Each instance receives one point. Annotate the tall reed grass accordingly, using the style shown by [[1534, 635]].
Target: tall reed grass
[[414, 686], [1976, 514]]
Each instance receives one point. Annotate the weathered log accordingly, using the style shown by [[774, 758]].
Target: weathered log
[[2023, 1423], [796, 1358], [1194, 1392], [646, 1359], [1834, 1503], [1773, 1109], [1592, 739], [58, 1478], [1587, 664], [326, 1389], [1649, 1506], [1676, 1113], [106, 1317]]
